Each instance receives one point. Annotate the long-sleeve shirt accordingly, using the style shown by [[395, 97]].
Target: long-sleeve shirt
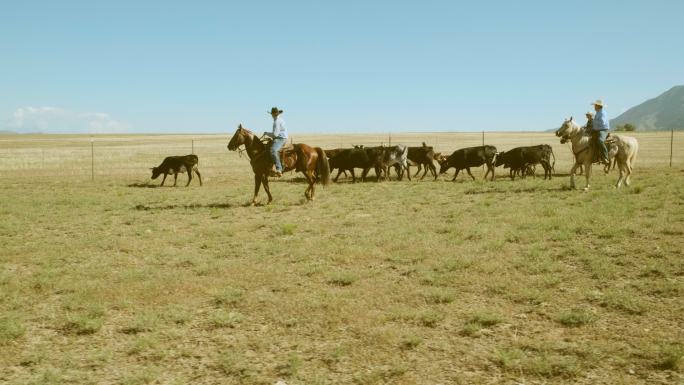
[[279, 130], [600, 122]]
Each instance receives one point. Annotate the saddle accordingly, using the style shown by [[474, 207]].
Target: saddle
[[286, 150], [595, 148], [287, 153]]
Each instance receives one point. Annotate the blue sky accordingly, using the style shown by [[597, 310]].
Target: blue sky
[[352, 66]]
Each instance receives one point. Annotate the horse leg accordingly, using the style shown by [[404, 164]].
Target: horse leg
[[264, 180], [433, 170], [471, 175], [312, 184], [622, 175], [418, 172], [572, 174], [492, 168], [257, 185], [587, 173], [628, 167], [408, 173]]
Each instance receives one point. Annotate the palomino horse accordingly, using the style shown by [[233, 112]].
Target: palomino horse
[[627, 148], [309, 160]]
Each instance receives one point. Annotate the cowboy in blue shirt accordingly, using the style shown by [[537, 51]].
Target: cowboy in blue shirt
[[600, 127], [279, 136]]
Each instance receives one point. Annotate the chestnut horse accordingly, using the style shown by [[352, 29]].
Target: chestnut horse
[[309, 160]]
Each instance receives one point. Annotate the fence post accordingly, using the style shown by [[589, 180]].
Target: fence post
[[483, 166], [92, 158], [390, 139], [671, 141]]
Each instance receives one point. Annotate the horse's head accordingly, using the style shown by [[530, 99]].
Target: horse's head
[[569, 129], [239, 138]]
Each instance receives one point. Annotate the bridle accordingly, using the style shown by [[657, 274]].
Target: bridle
[[567, 137], [248, 133]]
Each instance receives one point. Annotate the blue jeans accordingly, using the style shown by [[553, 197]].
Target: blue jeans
[[602, 143], [277, 144]]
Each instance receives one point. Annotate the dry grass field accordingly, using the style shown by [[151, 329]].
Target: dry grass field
[[117, 281]]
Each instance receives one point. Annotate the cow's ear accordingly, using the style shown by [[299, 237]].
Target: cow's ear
[[240, 126]]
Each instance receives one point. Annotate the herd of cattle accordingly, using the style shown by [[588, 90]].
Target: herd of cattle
[[520, 160]]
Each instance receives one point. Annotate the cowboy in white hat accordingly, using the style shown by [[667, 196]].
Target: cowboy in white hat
[[279, 136], [600, 127]]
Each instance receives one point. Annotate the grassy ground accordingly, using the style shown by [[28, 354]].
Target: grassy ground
[[117, 282]]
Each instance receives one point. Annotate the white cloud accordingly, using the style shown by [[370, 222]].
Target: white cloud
[[59, 120]]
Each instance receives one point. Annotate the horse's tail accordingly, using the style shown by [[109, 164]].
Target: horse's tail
[[632, 158], [322, 167], [553, 165]]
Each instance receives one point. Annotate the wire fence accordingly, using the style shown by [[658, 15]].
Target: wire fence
[[111, 155]]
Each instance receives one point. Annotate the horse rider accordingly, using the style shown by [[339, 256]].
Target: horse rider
[[600, 127], [590, 121], [279, 136]]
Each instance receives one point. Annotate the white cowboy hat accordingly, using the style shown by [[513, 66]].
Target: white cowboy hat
[[598, 103]]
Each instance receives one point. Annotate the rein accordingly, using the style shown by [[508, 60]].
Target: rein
[[567, 137]]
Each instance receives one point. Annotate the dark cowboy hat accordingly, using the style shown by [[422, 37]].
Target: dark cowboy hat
[[275, 110]]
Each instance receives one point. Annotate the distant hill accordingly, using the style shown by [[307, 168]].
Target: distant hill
[[662, 113], [6, 132]]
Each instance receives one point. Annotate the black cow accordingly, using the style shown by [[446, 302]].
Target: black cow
[[348, 159], [378, 158], [520, 159], [422, 156], [331, 153], [174, 165], [466, 158]]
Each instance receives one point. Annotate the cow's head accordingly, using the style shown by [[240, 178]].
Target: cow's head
[[436, 156], [156, 171], [499, 158], [443, 164]]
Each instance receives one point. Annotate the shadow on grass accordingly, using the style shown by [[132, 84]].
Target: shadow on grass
[[143, 185], [516, 190], [187, 207]]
